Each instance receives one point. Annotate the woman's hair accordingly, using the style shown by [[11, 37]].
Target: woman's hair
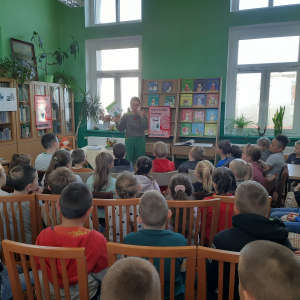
[[135, 98], [60, 158], [127, 185], [205, 169], [144, 166], [19, 159], [225, 181], [242, 169], [255, 152], [181, 188], [101, 177]]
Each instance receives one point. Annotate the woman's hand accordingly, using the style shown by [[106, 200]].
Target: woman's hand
[[117, 118], [140, 112]]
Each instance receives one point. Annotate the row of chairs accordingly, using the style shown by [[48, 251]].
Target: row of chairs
[[196, 262]]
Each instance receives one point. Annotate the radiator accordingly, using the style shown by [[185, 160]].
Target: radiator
[[97, 140]]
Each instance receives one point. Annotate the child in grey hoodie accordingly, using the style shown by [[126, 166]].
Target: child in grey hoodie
[[143, 168]]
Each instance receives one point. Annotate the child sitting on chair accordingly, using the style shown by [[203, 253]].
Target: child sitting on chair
[[120, 163], [19, 159], [264, 144], [75, 205], [294, 158], [78, 159], [161, 164], [204, 170], [154, 213], [235, 152], [195, 155], [242, 170], [222, 150]]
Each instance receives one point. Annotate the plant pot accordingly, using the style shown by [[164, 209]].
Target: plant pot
[[240, 131], [106, 125], [277, 131], [49, 78]]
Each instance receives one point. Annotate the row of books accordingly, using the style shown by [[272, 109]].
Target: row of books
[[199, 115], [198, 129], [5, 134], [24, 113], [25, 131], [153, 100], [5, 116]]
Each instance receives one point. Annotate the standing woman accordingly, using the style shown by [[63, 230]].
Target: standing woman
[[133, 123]]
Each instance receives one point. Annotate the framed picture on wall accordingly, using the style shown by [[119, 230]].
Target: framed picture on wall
[[25, 51]]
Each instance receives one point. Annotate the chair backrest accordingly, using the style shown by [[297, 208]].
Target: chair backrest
[[181, 210], [41, 175], [103, 195], [115, 206], [270, 184], [114, 175], [49, 256], [192, 175], [163, 179], [201, 195], [161, 253], [221, 256], [229, 200], [283, 178], [7, 189], [84, 175]]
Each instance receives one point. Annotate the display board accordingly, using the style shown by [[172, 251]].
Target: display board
[[159, 121]]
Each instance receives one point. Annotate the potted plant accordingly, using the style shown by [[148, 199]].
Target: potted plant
[[106, 118], [57, 57], [278, 120], [65, 79], [239, 123]]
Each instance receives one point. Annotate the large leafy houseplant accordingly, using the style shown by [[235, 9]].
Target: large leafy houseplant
[[65, 79], [278, 120], [239, 123]]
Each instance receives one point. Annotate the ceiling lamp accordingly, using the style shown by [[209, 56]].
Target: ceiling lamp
[[73, 3]]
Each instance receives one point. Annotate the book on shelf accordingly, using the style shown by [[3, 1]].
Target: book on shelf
[[153, 100], [2, 135], [166, 87], [185, 129], [198, 129], [21, 114], [27, 131], [170, 101], [212, 100], [187, 115], [187, 85], [186, 100], [213, 85], [7, 133], [24, 114], [210, 130], [199, 100], [153, 87], [199, 115], [199, 85], [212, 115], [4, 117]]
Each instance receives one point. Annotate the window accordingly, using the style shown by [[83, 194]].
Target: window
[[114, 69], [263, 74], [102, 12], [237, 5]]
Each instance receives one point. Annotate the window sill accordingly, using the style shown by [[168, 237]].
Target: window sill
[[103, 131], [228, 136]]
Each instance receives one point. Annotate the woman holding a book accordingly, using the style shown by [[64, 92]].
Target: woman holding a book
[[133, 123]]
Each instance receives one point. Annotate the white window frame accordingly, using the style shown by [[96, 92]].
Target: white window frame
[[256, 32], [90, 15], [234, 6], [92, 74]]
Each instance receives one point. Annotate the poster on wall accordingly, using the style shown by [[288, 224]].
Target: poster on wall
[[8, 99], [159, 121], [43, 111]]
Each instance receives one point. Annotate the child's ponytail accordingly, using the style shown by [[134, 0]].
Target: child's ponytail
[[249, 175], [205, 169], [144, 166]]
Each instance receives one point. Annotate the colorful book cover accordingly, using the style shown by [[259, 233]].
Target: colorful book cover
[[187, 115], [186, 100], [186, 129], [211, 115], [170, 101], [153, 87], [213, 85], [199, 100], [166, 87], [198, 129], [187, 85], [199, 85], [210, 130], [212, 100], [153, 100], [199, 115]]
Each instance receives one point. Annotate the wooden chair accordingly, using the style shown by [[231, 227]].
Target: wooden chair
[[41, 175], [103, 195], [182, 207], [192, 175], [270, 184], [84, 175], [7, 189], [201, 195], [120, 203], [280, 188], [163, 179], [229, 200], [222, 257], [189, 252], [49, 256]]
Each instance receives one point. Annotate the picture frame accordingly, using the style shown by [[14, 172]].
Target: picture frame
[[25, 51]]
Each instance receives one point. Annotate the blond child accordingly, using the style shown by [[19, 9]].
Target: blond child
[[161, 164], [204, 170], [78, 159], [264, 143], [242, 170], [195, 155]]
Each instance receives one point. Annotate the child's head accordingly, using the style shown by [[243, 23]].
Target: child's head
[[50, 141], [196, 153], [19, 159], [297, 148], [119, 150], [242, 169], [224, 181], [135, 103], [251, 198], [127, 186], [104, 162], [60, 158], [263, 143], [131, 278], [279, 143], [78, 157], [2, 176], [143, 165], [223, 147], [153, 210], [180, 187], [268, 270], [23, 177], [59, 179], [204, 170], [252, 153], [75, 201], [235, 151], [160, 150]]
